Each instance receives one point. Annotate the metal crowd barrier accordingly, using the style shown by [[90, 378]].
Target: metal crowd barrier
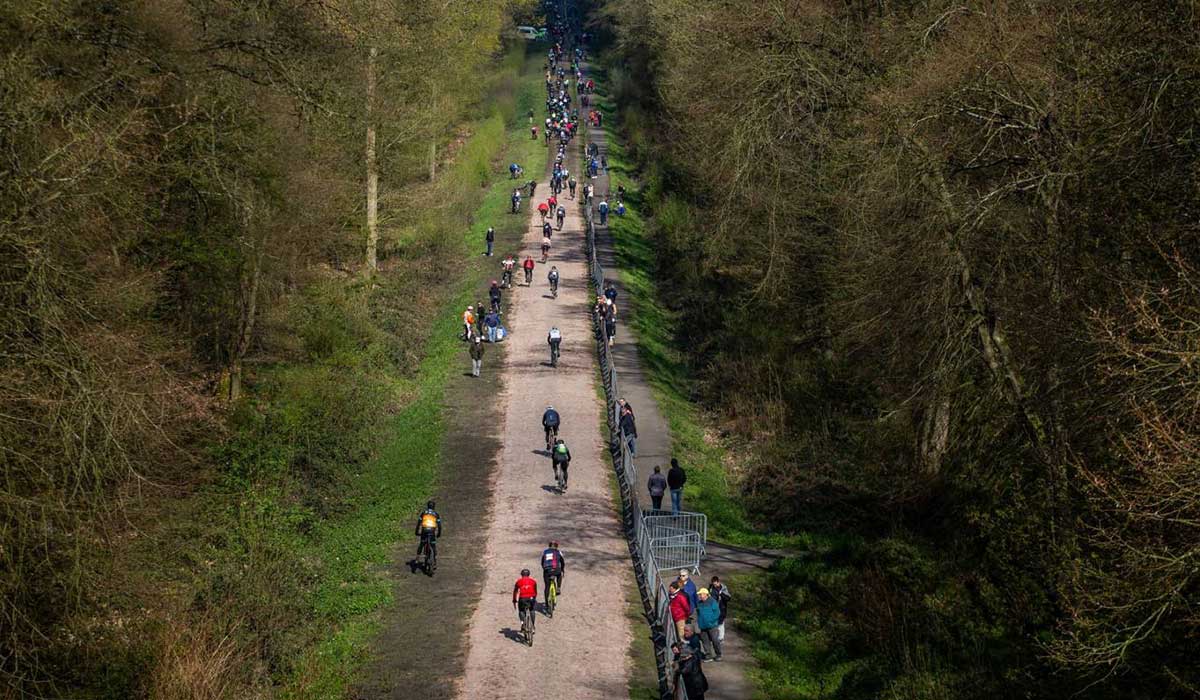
[[660, 542]]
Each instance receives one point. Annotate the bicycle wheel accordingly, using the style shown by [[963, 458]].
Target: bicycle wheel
[[551, 599]]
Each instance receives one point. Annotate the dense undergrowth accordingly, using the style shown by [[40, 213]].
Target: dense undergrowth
[[921, 310], [213, 421]]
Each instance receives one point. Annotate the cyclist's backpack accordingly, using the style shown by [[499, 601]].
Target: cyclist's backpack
[[555, 334], [550, 560], [428, 521], [560, 449]]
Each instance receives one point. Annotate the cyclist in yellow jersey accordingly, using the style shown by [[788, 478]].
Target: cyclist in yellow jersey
[[429, 526]]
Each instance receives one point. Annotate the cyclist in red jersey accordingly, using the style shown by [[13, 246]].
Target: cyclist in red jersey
[[525, 595]]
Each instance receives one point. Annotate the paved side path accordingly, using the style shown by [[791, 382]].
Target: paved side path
[[728, 680], [581, 652]]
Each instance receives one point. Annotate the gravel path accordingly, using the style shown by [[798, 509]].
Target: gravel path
[[581, 652]]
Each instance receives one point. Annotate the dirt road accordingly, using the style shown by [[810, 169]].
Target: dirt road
[[581, 652]]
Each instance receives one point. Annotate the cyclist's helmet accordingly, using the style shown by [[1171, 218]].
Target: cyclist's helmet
[[524, 572], [554, 544], [429, 505], [494, 283]]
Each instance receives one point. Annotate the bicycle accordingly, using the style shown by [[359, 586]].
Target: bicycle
[[560, 477], [430, 562], [527, 626], [551, 595], [554, 352], [551, 435]]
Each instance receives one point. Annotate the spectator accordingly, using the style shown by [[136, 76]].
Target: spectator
[[708, 615], [692, 640], [676, 478], [657, 487], [468, 323], [720, 591], [629, 431], [688, 587], [689, 673], [492, 322], [603, 209], [610, 328], [681, 609], [490, 237], [479, 327], [476, 351], [516, 201], [610, 292]]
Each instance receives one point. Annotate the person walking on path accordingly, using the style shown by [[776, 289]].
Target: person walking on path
[[629, 431], [720, 592], [657, 485], [676, 478], [688, 587], [708, 615], [689, 674], [681, 609], [603, 209], [476, 351], [490, 237]]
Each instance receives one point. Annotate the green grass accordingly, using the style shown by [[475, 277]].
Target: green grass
[[787, 626], [351, 589], [708, 489]]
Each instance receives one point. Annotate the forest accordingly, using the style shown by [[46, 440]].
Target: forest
[[224, 230], [935, 269]]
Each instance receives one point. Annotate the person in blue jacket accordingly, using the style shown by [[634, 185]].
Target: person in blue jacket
[[708, 619]]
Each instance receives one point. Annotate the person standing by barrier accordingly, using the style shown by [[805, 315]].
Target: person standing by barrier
[[629, 431], [490, 238], [657, 485], [689, 673], [688, 587], [708, 614], [720, 591], [676, 478], [680, 608]]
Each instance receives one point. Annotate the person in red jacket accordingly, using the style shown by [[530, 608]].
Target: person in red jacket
[[681, 608], [525, 596], [544, 210], [528, 266]]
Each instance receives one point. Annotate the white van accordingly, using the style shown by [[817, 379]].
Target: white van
[[527, 33]]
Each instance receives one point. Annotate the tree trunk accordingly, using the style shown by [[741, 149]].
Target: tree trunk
[[372, 170], [249, 311]]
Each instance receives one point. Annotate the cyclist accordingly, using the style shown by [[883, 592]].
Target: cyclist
[[547, 230], [554, 340], [494, 295], [528, 266], [509, 264], [552, 277], [429, 528], [551, 421], [561, 214], [560, 459], [545, 248], [525, 596], [571, 184], [553, 566], [544, 210]]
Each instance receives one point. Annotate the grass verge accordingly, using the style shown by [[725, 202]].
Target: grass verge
[[352, 589]]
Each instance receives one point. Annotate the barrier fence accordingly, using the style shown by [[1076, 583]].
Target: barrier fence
[[660, 542]]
